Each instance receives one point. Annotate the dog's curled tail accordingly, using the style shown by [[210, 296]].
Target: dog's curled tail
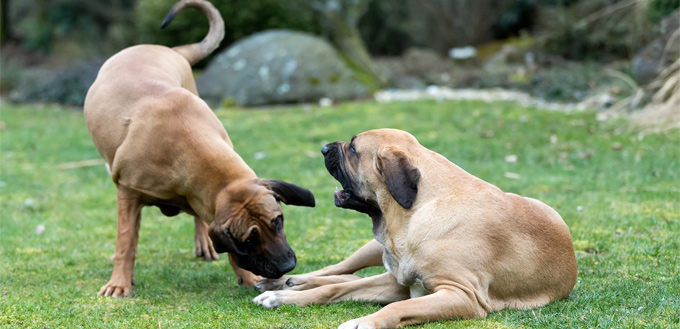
[[196, 51]]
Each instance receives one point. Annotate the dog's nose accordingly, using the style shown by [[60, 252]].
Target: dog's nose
[[289, 264], [324, 149]]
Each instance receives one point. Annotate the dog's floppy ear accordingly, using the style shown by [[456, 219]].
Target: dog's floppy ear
[[401, 176], [223, 241], [290, 194]]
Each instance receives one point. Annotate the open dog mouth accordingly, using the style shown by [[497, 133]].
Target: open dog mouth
[[346, 199], [341, 196]]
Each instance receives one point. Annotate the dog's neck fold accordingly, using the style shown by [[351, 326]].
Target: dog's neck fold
[[211, 179]]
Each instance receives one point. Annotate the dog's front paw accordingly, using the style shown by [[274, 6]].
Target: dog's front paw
[[268, 299], [274, 299], [297, 282], [306, 282], [271, 284], [114, 290], [360, 323], [288, 282], [204, 246], [248, 279]]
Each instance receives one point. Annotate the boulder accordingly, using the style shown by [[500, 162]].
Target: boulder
[[278, 66], [67, 86]]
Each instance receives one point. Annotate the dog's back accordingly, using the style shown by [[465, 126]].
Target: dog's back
[[544, 253], [148, 78], [136, 79], [519, 248]]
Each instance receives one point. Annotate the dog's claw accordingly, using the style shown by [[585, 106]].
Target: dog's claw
[[114, 291]]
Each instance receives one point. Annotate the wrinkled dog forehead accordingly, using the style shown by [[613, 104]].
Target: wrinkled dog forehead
[[384, 137], [264, 204]]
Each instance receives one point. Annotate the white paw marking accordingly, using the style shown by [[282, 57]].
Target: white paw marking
[[357, 324], [351, 324], [268, 299]]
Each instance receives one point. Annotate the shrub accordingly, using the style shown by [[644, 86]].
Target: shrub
[[659, 9], [41, 25], [599, 29], [389, 27]]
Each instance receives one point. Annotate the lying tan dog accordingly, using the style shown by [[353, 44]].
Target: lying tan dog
[[454, 245], [166, 148]]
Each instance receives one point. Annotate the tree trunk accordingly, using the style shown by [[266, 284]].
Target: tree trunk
[[341, 18], [4, 22]]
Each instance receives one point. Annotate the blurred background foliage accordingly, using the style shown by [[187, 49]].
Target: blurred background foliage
[[103, 27], [600, 29], [573, 28], [241, 19], [53, 34]]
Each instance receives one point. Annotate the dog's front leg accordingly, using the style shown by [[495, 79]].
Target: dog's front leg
[[129, 218], [368, 255], [204, 245], [245, 277], [441, 305], [381, 289]]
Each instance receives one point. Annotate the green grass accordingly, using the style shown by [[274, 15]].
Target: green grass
[[617, 189]]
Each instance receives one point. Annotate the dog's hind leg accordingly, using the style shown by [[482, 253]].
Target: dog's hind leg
[[204, 245], [129, 219], [444, 304]]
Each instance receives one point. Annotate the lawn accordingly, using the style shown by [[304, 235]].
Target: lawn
[[617, 188]]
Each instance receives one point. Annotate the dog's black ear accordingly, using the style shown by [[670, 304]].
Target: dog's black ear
[[290, 194], [401, 176]]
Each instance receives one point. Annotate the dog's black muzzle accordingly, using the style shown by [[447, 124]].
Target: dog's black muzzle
[[347, 197]]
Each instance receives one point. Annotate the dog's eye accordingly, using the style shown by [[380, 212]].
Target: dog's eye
[[277, 222], [351, 149]]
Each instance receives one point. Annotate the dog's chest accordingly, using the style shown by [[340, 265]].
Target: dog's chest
[[402, 269], [399, 264]]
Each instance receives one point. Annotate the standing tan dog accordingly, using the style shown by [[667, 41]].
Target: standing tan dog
[[166, 148], [454, 245]]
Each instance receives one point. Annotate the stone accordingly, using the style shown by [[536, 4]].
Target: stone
[[66, 86], [275, 67]]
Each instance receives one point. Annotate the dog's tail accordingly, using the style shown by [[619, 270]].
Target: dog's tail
[[196, 51]]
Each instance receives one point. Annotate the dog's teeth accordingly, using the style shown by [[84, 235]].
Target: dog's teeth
[[337, 189]]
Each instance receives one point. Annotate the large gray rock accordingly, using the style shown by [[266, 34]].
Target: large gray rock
[[278, 66], [67, 86]]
